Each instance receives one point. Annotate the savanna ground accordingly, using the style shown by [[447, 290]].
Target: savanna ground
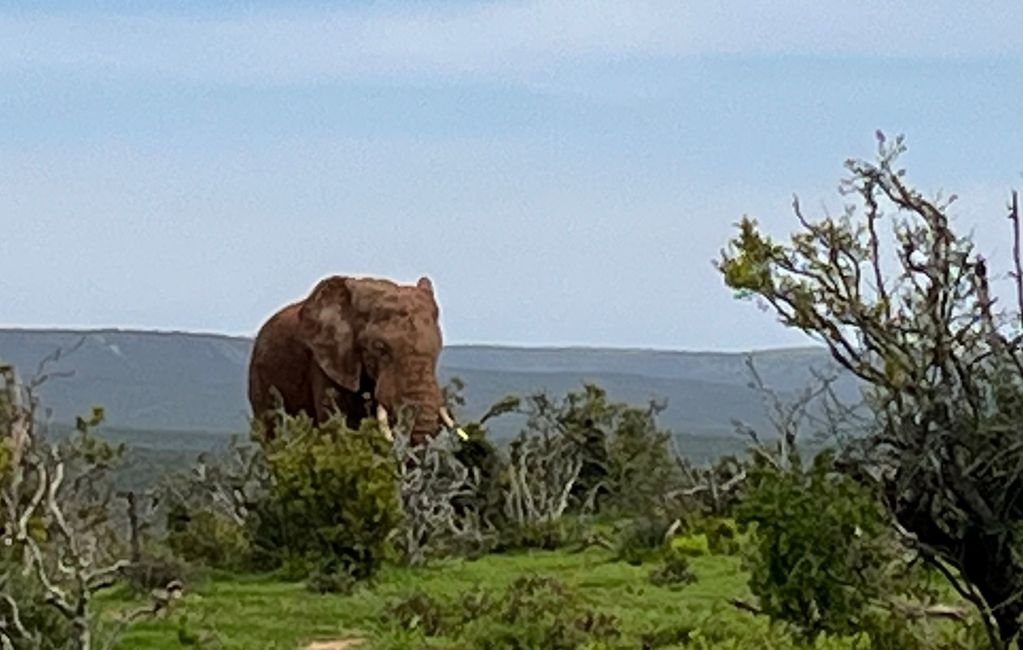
[[261, 611]]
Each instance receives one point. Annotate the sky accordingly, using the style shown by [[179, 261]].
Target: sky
[[564, 172]]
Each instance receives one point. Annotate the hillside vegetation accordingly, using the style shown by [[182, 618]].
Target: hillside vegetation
[[150, 381]]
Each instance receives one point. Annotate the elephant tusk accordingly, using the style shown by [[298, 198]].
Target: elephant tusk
[[384, 425], [449, 422], [446, 418]]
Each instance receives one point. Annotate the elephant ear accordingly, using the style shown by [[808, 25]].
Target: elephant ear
[[327, 325], [426, 285]]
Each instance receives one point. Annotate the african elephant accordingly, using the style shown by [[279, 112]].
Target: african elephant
[[365, 346]]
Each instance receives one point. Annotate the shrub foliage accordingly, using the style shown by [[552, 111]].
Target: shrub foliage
[[822, 547], [906, 305]]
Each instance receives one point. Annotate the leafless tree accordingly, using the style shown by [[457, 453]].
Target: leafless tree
[[56, 525], [542, 471], [232, 485], [711, 488]]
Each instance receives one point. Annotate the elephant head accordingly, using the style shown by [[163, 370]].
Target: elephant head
[[372, 333]]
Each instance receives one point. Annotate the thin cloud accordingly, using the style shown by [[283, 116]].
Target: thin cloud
[[508, 41]]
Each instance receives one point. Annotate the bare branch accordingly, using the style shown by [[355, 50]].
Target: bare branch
[[942, 363]]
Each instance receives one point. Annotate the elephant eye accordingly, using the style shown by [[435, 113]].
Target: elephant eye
[[380, 347]]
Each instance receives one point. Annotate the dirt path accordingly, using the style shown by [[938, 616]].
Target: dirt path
[[339, 644]]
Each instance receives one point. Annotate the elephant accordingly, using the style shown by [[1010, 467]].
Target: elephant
[[363, 346]]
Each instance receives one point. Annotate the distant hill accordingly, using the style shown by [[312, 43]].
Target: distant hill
[[195, 383]]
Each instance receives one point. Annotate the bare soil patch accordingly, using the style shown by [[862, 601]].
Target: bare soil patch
[[339, 644]]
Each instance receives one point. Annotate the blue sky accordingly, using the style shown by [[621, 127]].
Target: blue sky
[[564, 171]]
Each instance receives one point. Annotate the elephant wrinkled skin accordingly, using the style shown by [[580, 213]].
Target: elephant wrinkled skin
[[365, 346]]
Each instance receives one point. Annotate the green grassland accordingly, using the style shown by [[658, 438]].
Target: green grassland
[[261, 612]]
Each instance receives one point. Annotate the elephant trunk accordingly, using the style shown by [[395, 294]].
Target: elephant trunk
[[428, 424], [420, 391], [416, 387], [424, 427], [427, 421]]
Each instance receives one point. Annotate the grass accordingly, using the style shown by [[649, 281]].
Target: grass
[[261, 612]]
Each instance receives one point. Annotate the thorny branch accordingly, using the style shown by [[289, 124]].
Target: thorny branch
[[432, 482], [232, 486], [53, 532]]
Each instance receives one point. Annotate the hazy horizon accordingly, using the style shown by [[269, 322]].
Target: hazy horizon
[[563, 172], [478, 344]]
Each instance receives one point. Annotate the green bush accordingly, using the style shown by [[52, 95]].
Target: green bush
[[708, 535], [534, 612], [722, 536], [419, 612], [332, 495], [641, 539], [328, 577], [823, 552], [209, 538], [540, 535], [692, 544], [674, 571], [542, 613], [641, 463]]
